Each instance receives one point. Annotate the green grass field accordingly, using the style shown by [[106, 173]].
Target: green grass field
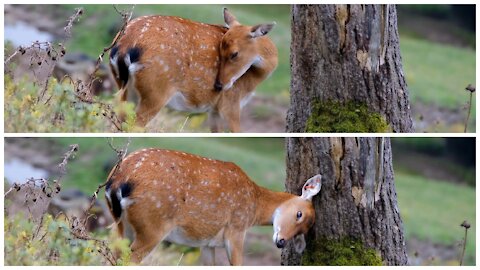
[[433, 210], [437, 74], [430, 209]]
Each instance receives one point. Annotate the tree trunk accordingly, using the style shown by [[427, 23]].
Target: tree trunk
[[357, 201], [347, 53]]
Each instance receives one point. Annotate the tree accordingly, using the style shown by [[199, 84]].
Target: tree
[[357, 216], [346, 66]]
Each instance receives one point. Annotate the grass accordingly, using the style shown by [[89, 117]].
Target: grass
[[104, 19], [438, 74], [433, 210]]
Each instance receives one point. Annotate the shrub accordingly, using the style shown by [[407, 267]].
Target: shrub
[[59, 111], [54, 244]]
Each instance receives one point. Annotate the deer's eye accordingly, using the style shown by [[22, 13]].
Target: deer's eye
[[234, 55], [299, 215]]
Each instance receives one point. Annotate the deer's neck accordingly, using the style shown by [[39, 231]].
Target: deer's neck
[[261, 69], [267, 202], [268, 59]]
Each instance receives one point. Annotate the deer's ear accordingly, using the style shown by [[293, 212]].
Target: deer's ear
[[230, 19], [299, 243], [312, 187], [261, 29]]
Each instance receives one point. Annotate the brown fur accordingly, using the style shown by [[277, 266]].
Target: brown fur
[[164, 40], [203, 197]]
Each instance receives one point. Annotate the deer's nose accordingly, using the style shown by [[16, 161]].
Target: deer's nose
[[281, 243], [218, 85]]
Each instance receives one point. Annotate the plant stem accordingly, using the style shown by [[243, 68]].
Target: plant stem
[[464, 246], [469, 109]]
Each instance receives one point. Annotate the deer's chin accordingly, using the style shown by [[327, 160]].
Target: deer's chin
[[274, 238]]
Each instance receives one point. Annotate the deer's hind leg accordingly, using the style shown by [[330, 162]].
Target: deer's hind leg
[[154, 95], [149, 229], [146, 240]]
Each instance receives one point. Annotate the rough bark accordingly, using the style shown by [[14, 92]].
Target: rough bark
[[358, 198], [347, 53]]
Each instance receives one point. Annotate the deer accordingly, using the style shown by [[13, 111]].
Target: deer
[[157, 195], [191, 66]]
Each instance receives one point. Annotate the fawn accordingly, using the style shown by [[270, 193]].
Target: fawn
[[156, 195], [191, 66]]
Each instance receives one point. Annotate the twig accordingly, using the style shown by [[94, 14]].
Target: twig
[[83, 91], [466, 225], [470, 89], [181, 257], [121, 153], [184, 123], [73, 18], [62, 166], [10, 58], [126, 18], [79, 232]]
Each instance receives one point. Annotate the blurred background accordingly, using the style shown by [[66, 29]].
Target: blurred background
[[437, 43], [434, 177], [437, 46]]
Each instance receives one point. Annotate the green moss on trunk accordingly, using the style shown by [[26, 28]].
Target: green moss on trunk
[[331, 116], [340, 253]]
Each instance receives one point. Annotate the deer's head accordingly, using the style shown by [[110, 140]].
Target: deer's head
[[293, 218], [239, 50]]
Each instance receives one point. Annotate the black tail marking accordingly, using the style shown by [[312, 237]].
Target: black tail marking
[[126, 189], [116, 207], [123, 71], [134, 54], [113, 52]]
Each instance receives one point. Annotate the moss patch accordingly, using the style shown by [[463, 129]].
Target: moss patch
[[330, 116], [340, 253]]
